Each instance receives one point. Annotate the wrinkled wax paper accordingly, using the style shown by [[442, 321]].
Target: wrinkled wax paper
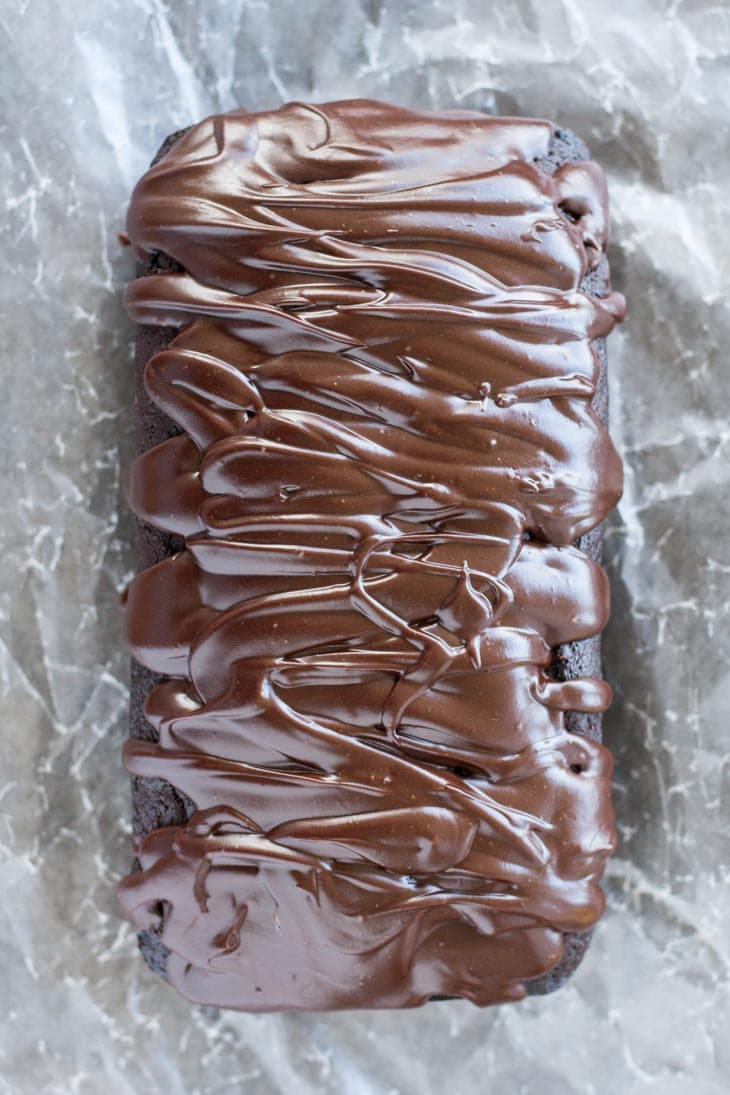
[[90, 89]]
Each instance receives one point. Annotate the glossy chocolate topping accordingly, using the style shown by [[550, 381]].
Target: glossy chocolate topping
[[383, 381]]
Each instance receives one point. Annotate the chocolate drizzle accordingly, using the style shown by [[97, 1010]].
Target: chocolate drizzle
[[383, 381]]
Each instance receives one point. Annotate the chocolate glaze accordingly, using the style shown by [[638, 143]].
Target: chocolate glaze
[[384, 383]]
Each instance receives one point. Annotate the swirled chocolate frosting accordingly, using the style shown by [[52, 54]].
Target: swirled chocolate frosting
[[383, 380]]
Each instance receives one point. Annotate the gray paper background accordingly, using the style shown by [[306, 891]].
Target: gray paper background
[[89, 90]]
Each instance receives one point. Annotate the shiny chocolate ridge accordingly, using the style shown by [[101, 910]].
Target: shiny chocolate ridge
[[360, 355]]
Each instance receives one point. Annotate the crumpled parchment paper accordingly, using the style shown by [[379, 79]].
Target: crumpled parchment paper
[[89, 91]]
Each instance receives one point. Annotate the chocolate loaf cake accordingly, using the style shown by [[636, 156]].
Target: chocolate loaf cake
[[366, 695]]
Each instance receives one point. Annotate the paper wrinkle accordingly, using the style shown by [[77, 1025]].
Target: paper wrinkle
[[90, 90]]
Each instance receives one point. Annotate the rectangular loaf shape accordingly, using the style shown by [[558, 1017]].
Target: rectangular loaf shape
[[366, 692]]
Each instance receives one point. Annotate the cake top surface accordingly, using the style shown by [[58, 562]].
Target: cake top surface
[[383, 378]]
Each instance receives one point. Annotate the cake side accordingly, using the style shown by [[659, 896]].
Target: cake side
[[157, 802]]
